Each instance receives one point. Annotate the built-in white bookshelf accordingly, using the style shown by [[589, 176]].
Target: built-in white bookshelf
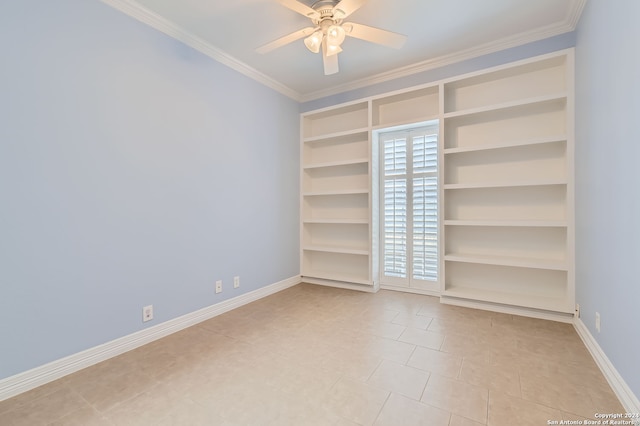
[[339, 229], [336, 192], [506, 184]]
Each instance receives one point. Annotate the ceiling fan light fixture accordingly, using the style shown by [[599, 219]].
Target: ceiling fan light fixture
[[335, 35], [333, 49], [329, 30], [314, 41]]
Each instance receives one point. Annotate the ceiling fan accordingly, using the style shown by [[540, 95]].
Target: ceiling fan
[[330, 30]]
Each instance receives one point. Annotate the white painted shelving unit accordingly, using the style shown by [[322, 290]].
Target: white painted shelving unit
[[336, 196], [506, 185], [508, 182]]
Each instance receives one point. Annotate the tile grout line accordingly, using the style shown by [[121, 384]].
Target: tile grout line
[[415, 347], [382, 408], [486, 420]]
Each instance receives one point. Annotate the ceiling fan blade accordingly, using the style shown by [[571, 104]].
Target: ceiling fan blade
[[286, 40], [330, 62], [302, 9], [347, 7], [374, 35]]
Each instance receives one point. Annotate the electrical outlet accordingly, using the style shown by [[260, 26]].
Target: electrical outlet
[[598, 321], [577, 310], [218, 286], [147, 313], [236, 282]]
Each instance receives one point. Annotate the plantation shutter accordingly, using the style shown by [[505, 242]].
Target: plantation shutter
[[425, 207], [395, 207], [410, 205]]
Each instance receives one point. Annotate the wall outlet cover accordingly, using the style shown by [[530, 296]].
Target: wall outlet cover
[[147, 313]]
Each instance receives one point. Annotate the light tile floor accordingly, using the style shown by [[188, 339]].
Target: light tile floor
[[313, 355]]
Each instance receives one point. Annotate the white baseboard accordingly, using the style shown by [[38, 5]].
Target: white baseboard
[[22, 382], [410, 290], [627, 398], [508, 309], [367, 288]]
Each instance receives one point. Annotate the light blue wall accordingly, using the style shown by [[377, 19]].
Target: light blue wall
[[133, 171], [608, 179], [541, 47]]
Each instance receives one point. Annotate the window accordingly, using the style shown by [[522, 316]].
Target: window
[[409, 207]]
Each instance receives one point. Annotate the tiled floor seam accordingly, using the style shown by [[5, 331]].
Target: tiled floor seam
[[381, 408]]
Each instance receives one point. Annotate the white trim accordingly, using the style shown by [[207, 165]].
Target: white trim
[[574, 13], [433, 293], [441, 61], [39, 376], [626, 396], [367, 288], [144, 15], [139, 12], [568, 52], [507, 309]]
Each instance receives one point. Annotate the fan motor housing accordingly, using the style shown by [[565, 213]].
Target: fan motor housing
[[324, 9]]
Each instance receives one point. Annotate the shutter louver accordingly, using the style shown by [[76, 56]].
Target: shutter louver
[[425, 207], [395, 228], [425, 228], [395, 208]]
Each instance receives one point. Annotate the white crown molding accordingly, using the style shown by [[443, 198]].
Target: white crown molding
[[626, 396], [569, 24], [137, 11], [22, 382], [144, 15], [575, 12], [444, 60]]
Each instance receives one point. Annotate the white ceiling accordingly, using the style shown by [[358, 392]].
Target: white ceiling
[[439, 32]]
